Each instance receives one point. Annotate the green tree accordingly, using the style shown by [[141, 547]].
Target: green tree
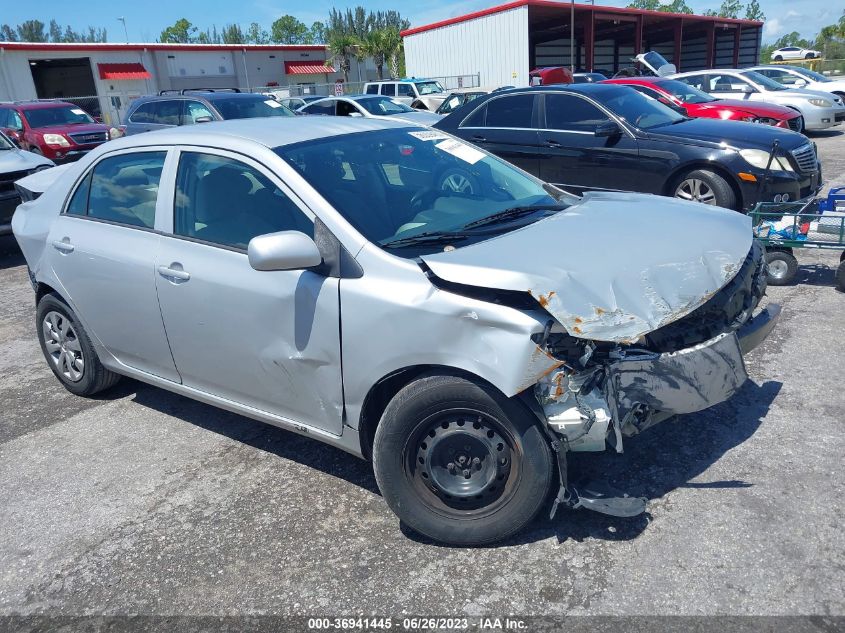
[[288, 30], [649, 5], [342, 47], [232, 34], [181, 32], [32, 31], [317, 34], [256, 35], [754, 12], [676, 6], [730, 9], [8, 34]]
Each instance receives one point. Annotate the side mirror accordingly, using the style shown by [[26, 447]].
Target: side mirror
[[746, 89], [285, 250], [203, 119], [356, 114], [800, 83], [607, 128]]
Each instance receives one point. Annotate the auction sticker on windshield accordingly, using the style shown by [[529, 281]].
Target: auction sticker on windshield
[[77, 111], [273, 103], [429, 135], [460, 150]]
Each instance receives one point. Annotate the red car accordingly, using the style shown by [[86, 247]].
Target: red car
[[699, 104], [59, 130]]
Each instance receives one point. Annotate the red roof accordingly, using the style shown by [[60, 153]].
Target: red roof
[[566, 6], [156, 46], [132, 70], [307, 68]]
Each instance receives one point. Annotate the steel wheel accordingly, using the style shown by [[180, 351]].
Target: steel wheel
[[457, 183], [777, 269], [460, 463], [63, 346], [695, 190]]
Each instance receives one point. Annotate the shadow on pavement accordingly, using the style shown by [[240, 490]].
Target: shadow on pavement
[[10, 254]]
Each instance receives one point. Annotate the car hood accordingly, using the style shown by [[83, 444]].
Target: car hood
[[752, 107], [612, 267], [20, 160], [82, 128], [727, 134], [803, 92]]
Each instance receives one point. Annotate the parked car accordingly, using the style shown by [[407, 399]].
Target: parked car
[[294, 103], [15, 164], [794, 52], [698, 104], [548, 75], [420, 94], [460, 96], [797, 77], [369, 106], [820, 110], [462, 342], [57, 130], [587, 78], [171, 108], [605, 136]]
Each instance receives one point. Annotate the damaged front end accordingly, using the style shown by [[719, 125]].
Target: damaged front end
[[605, 392]]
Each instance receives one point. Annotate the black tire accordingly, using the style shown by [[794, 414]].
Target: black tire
[[778, 58], [94, 377], [840, 277], [436, 426], [800, 129], [781, 268], [458, 181], [808, 56], [723, 194]]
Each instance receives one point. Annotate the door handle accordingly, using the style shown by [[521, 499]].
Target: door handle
[[479, 139], [551, 143], [63, 246], [173, 274]]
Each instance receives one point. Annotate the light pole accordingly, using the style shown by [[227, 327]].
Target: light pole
[[572, 36], [125, 32]]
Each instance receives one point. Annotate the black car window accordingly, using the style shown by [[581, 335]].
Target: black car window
[[4, 117], [79, 203], [196, 110], [372, 89], [572, 113], [477, 119], [168, 112], [321, 107], [124, 188], [388, 89], [696, 81], [512, 111], [248, 107], [144, 113], [226, 202], [15, 121], [405, 90], [344, 108]]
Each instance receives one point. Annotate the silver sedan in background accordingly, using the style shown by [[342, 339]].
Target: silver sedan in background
[[369, 106], [319, 275]]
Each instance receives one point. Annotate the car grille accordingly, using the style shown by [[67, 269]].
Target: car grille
[[805, 156], [7, 180], [794, 124], [86, 138]]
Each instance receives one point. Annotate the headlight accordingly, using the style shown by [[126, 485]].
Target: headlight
[[759, 158], [114, 133], [822, 103], [56, 139]]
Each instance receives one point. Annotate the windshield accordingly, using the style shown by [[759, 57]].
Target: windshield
[[383, 106], [685, 93], [60, 115], [249, 108], [5, 143], [639, 109], [392, 184], [763, 81], [429, 87], [812, 75]]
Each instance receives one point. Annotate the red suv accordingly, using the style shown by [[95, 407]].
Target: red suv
[[699, 104], [59, 130]]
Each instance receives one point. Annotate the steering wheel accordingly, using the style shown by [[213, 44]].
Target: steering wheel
[[426, 197]]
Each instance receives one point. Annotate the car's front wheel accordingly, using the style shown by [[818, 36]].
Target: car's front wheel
[[459, 462], [68, 349], [706, 187], [778, 58]]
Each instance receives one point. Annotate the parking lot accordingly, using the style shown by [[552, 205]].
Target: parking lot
[[144, 502]]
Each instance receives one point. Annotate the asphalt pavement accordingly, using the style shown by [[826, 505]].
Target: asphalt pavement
[[141, 501]]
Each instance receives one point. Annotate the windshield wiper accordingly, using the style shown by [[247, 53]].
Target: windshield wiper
[[429, 237], [513, 212]]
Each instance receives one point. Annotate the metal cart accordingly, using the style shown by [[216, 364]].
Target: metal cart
[[783, 227]]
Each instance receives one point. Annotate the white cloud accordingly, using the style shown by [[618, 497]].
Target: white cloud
[[772, 28]]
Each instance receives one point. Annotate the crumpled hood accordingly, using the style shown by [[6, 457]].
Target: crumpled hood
[[20, 160], [614, 266]]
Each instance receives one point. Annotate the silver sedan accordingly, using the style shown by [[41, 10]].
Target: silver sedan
[[322, 276]]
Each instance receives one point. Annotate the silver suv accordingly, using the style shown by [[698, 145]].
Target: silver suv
[[327, 279]]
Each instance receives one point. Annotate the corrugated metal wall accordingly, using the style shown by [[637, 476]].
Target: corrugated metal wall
[[495, 46]]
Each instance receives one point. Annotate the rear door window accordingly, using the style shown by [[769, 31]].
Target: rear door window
[[168, 112], [321, 107], [372, 89], [388, 90], [514, 111], [124, 189]]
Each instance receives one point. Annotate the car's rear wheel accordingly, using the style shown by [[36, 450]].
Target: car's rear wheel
[[781, 267], [459, 462], [778, 58], [808, 56], [705, 187], [68, 349]]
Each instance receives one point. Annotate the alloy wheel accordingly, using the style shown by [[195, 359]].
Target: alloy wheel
[[695, 190], [63, 345], [457, 184]]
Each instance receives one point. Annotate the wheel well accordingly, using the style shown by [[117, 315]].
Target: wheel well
[[382, 393], [718, 169], [43, 289]]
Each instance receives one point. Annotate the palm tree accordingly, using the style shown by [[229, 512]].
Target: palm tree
[[374, 45], [342, 48], [392, 42]]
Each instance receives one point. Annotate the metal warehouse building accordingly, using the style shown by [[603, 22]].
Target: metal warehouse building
[[104, 78], [504, 42]]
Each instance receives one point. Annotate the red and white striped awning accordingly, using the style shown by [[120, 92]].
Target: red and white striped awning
[[123, 71], [307, 68]]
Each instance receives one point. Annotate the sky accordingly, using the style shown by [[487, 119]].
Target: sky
[[145, 20]]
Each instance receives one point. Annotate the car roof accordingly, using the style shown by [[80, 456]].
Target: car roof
[[269, 132], [37, 105], [202, 94], [594, 88]]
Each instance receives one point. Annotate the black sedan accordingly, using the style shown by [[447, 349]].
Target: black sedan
[[595, 136]]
